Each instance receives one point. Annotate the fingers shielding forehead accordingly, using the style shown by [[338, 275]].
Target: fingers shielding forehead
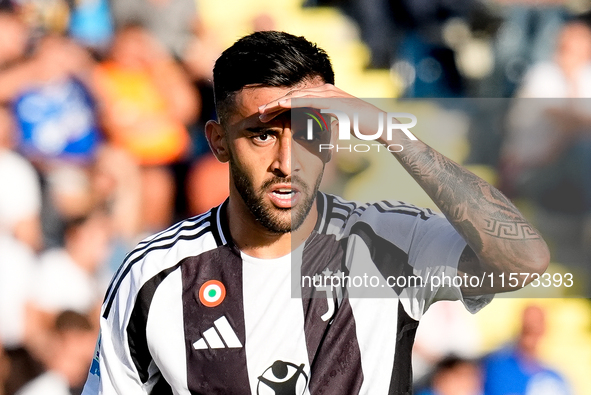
[[298, 98]]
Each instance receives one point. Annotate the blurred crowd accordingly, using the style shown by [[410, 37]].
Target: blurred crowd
[[102, 109], [102, 106], [447, 359], [528, 65]]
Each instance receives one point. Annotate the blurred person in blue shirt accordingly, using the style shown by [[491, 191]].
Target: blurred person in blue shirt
[[516, 368]]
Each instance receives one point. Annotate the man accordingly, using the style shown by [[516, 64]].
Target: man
[[205, 306], [69, 347], [516, 369]]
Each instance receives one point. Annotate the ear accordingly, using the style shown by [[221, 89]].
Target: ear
[[216, 137]]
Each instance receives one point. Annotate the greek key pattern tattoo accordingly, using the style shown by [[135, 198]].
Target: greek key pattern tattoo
[[510, 230]]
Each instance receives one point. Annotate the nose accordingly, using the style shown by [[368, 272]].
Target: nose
[[281, 166]]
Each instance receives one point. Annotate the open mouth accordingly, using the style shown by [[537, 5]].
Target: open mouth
[[284, 196], [284, 193]]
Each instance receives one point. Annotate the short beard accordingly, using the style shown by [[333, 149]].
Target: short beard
[[263, 213]]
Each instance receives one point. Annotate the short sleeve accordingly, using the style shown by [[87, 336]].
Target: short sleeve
[[113, 370], [415, 245], [434, 254]]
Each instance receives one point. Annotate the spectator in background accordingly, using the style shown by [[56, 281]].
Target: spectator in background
[[171, 22], [526, 36], [145, 101], [446, 329], [516, 368], [547, 152], [67, 197], [568, 74], [72, 278], [20, 235], [53, 110], [67, 359], [116, 185], [53, 106], [17, 267], [20, 195], [56, 119], [20, 199], [176, 25], [455, 376]]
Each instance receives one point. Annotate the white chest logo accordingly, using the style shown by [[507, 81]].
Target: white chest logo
[[220, 335]]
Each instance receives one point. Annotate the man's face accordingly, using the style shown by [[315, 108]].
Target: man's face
[[272, 166]]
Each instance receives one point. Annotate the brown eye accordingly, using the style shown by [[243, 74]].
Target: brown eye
[[263, 138]]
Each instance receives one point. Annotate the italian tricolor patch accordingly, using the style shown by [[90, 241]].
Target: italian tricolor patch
[[212, 293]]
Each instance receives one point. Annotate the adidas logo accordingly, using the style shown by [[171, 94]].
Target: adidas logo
[[220, 335]]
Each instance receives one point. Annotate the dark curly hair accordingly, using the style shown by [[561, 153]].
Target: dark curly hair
[[270, 59]]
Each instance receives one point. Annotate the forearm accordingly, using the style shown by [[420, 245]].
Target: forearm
[[499, 236]]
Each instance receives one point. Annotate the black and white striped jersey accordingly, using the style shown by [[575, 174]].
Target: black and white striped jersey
[[188, 313]]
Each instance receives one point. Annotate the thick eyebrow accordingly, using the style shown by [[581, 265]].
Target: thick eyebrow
[[260, 129]]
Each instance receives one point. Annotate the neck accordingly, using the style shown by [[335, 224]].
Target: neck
[[255, 240]]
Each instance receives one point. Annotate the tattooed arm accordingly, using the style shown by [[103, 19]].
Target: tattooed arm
[[499, 238]]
